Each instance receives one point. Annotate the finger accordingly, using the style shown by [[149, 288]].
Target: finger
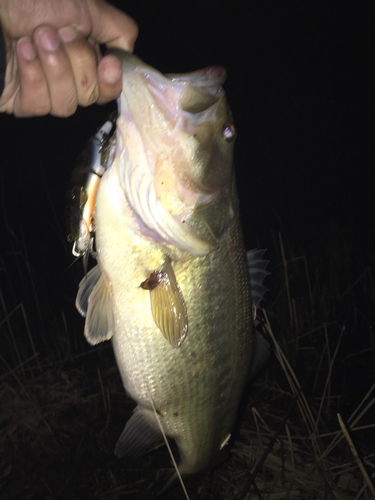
[[110, 78], [32, 99], [83, 61], [112, 26], [21, 17], [58, 71]]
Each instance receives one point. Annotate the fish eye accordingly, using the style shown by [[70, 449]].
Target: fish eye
[[228, 132]]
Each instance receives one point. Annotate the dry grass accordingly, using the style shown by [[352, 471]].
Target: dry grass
[[61, 416]]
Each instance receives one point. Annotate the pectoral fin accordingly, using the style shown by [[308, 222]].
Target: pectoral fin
[[167, 304], [100, 322]]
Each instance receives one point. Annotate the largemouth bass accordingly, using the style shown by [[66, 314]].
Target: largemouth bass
[[171, 287]]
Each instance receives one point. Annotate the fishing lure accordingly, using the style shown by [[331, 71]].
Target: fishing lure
[[95, 159]]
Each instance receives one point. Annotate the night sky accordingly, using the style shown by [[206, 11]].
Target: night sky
[[300, 87]]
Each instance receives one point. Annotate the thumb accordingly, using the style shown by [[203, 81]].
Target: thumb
[[112, 26]]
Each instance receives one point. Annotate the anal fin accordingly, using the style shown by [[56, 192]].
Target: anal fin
[[261, 354], [139, 436], [257, 272]]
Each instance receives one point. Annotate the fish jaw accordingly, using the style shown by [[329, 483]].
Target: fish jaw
[[174, 160]]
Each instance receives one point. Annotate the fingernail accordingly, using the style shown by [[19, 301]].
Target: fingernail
[[67, 34], [48, 39], [25, 48], [111, 70]]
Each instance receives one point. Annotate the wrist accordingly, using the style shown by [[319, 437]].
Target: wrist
[[2, 61], [9, 72]]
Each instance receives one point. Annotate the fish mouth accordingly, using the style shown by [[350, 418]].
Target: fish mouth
[[161, 138]]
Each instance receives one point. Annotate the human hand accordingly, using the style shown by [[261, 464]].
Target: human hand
[[53, 60]]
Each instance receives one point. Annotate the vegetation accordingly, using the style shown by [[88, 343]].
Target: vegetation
[[63, 405]]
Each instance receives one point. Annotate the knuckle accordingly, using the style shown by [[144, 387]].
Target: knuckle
[[81, 54], [64, 107], [66, 111], [39, 110], [90, 97], [35, 100], [31, 109], [134, 33], [32, 75]]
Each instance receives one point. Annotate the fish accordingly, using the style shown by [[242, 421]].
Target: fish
[[171, 288]]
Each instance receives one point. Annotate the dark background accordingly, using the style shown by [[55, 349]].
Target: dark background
[[300, 87]]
